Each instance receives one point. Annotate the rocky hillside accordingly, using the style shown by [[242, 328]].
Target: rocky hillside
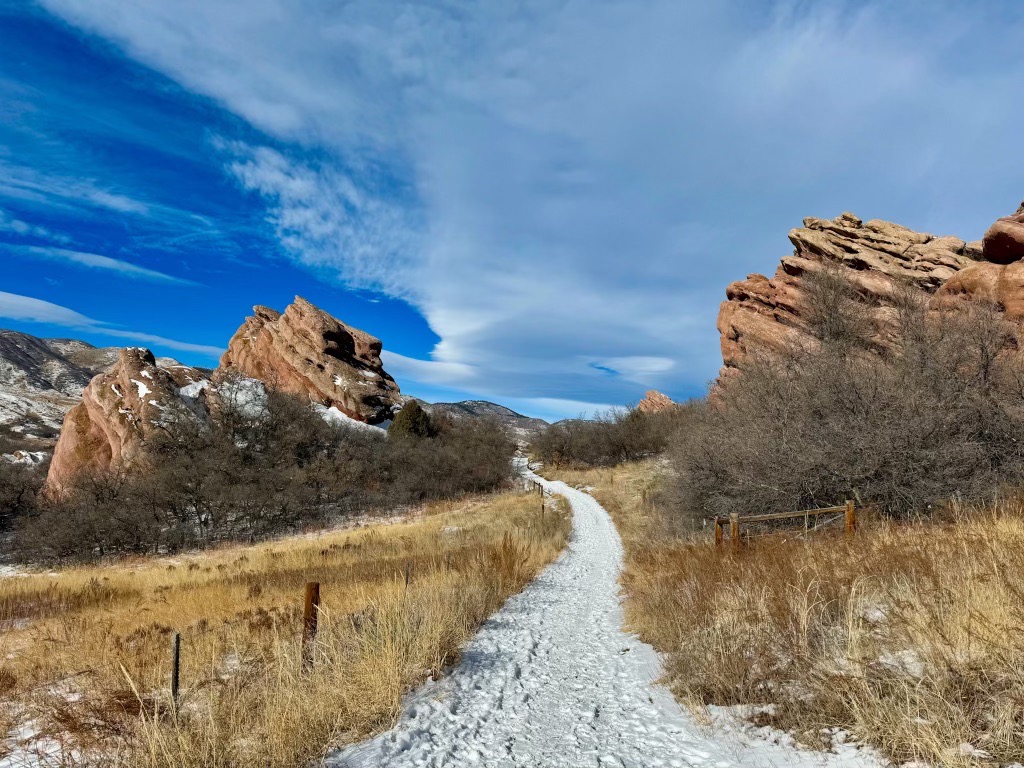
[[763, 314], [519, 425]]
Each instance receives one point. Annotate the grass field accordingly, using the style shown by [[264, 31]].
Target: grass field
[[85, 652], [909, 636]]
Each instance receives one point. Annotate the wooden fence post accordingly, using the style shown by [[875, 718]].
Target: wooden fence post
[[734, 529], [851, 517], [175, 668], [309, 622], [719, 532]]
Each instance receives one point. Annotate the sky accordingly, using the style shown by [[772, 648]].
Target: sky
[[535, 202]]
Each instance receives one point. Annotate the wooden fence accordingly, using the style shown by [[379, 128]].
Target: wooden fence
[[736, 521]]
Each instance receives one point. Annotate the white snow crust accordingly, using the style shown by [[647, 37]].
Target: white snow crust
[[142, 388], [334, 416], [552, 681]]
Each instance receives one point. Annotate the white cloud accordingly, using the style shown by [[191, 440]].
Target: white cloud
[[16, 307], [27, 309], [16, 226], [20, 182], [98, 261], [326, 219], [558, 184], [433, 372]]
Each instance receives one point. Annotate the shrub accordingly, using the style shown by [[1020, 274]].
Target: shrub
[[412, 421], [263, 467], [19, 487], [907, 418], [609, 439]]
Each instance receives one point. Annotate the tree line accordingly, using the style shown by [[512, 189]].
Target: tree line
[[258, 468]]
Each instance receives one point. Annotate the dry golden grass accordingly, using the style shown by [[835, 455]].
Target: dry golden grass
[[85, 653], [909, 636]]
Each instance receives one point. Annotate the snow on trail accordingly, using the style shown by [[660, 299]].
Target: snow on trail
[[552, 681]]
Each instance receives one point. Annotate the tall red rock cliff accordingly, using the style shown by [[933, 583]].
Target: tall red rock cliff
[[309, 353], [120, 409], [765, 314]]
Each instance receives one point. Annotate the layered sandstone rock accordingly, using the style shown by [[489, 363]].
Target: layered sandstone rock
[[766, 314], [120, 409], [999, 277], [655, 402], [309, 353]]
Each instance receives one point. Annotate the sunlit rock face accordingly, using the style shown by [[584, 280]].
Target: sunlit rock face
[[879, 258], [999, 277], [309, 353], [120, 410]]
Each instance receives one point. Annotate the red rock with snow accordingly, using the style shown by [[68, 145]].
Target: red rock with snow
[[120, 409], [309, 353]]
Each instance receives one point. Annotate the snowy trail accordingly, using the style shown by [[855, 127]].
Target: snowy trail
[[551, 680]]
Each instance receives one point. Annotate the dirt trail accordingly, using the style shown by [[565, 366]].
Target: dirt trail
[[552, 681]]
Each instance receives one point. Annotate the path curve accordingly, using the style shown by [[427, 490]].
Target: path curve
[[552, 681]]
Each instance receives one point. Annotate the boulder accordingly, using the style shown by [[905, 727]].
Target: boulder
[[119, 410], [309, 353], [764, 314], [1004, 241]]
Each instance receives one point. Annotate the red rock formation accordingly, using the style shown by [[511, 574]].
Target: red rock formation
[[762, 314], [307, 352], [119, 410], [654, 402], [1000, 277]]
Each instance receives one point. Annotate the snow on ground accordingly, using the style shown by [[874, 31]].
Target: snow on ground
[[28, 458], [552, 681], [333, 416]]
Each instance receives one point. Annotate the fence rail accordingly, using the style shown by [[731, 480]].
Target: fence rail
[[736, 521]]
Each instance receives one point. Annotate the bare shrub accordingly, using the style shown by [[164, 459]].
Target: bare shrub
[[608, 439], [19, 489], [935, 412], [266, 465]]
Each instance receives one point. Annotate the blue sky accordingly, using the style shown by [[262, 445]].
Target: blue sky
[[537, 203]]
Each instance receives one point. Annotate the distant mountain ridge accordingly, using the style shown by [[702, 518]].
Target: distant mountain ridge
[[522, 426]]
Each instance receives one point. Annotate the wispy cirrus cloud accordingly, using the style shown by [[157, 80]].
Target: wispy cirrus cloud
[[98, 261], [28, 309], [14, 226]]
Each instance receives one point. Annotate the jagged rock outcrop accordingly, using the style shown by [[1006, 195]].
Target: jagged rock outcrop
[[309, 353], [119, 410], [765, 314], [655, 402]]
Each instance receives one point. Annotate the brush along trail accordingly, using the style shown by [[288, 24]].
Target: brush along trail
[[553, 681]]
